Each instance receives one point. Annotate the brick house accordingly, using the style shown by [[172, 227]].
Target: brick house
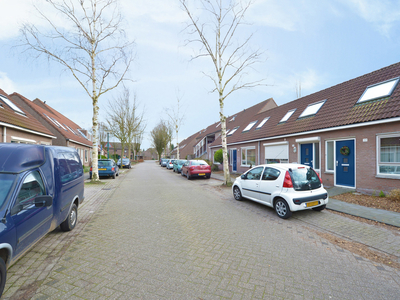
[[19, 126], [68, 133], [349, 133]]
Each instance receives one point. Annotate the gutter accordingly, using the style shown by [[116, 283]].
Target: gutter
[[79, 143], [27, 130]]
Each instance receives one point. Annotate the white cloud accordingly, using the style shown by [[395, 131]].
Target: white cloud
[[382, 14], [6, 84]]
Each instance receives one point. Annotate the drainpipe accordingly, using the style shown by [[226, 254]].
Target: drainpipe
[[259, 157], [4, 134]]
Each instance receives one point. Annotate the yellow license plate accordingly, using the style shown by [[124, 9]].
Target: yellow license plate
[[102, 169], [309, 204], [202, 174]]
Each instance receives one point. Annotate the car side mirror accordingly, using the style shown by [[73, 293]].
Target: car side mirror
[[244, 176], [43, 201]]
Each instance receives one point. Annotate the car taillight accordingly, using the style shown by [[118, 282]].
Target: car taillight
[[287, 183], [192, 168], [112, 169], [319, 177]]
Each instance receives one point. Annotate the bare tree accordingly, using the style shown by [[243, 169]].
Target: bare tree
[[137, 140], [103, 134], [176, 118], [215, 29], [160, 135], [90, 43]]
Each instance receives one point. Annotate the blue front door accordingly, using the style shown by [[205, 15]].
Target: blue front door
[[234, 160], [306, 154], [345, 167]]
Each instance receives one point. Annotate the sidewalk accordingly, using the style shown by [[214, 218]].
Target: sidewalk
[[379, 215]]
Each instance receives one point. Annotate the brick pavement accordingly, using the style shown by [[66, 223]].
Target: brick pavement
[[179, 239]]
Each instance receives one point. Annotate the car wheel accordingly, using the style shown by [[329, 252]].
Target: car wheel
[[3, 275], [319, 208], [237, 194], [188, 176], [282, 209], [71, 220]]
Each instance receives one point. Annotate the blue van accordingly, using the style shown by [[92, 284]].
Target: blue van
[[41, 188]]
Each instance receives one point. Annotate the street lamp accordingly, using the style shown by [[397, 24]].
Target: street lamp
[[108, 143]]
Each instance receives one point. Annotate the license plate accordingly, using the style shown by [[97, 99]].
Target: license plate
[[202, 174], [309, 204], [102, 169]]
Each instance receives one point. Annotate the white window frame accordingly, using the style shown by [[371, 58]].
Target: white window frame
[[17, 139], [10, 104], [333, 156], [213, 155], [245, 149], [232, 131], [378, 156]]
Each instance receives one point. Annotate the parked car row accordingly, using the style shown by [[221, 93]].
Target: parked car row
[[189, 168]]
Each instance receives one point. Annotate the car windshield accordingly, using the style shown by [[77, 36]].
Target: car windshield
[[125, 160], [5, 186], [305, 179], [105, 163], [199, 163]]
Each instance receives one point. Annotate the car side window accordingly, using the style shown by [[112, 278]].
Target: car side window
[[270, 174], [255, 174], [70, 167], [32, 187]]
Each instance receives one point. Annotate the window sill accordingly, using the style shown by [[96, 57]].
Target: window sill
[[387, 176]]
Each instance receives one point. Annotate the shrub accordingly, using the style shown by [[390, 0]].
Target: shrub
[[218, 156], [382, 194], [394, 195], [214, 168], [102, 157]]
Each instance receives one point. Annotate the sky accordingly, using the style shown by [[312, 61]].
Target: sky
[[317, 43]]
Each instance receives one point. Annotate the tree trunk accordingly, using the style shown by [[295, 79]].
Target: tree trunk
[[227, 176]]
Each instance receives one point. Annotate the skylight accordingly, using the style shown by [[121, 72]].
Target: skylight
[[379, 90], [232, 131], [70, 129], [60, 124], [218, 124], [52, 120], [233, 119], [312, 109], [82, 134], [248, 127], [12, 105], [287, 116], [262, 123]]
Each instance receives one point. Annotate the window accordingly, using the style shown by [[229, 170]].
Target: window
[[248, 127], [330, 157], [70, 129], [218, 124], [287, 116], [254, 174], [276, 153], [233, 119], [248, 156], [270, 174], [86, 156], [12, 105], [82, 134], [312, 109], [379, 90], [262, 123], [232, 131], [389, 155], [31, 188]]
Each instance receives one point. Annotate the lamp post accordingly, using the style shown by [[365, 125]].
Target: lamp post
[[108, 144]]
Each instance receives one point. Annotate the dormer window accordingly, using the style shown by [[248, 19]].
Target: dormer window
[[12, 105], [312, 109], [287, 116], [262, 123], [232, 131], [379, 90], [248, 127]]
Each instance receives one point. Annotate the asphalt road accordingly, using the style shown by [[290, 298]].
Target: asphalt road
[[153, 234]]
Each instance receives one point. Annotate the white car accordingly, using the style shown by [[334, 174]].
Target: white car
[[285, 187], [170, 164]]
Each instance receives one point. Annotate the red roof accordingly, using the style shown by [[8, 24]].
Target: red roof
[[67, 128], [27, 121]]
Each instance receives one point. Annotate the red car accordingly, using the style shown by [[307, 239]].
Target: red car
[[196, 168]]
